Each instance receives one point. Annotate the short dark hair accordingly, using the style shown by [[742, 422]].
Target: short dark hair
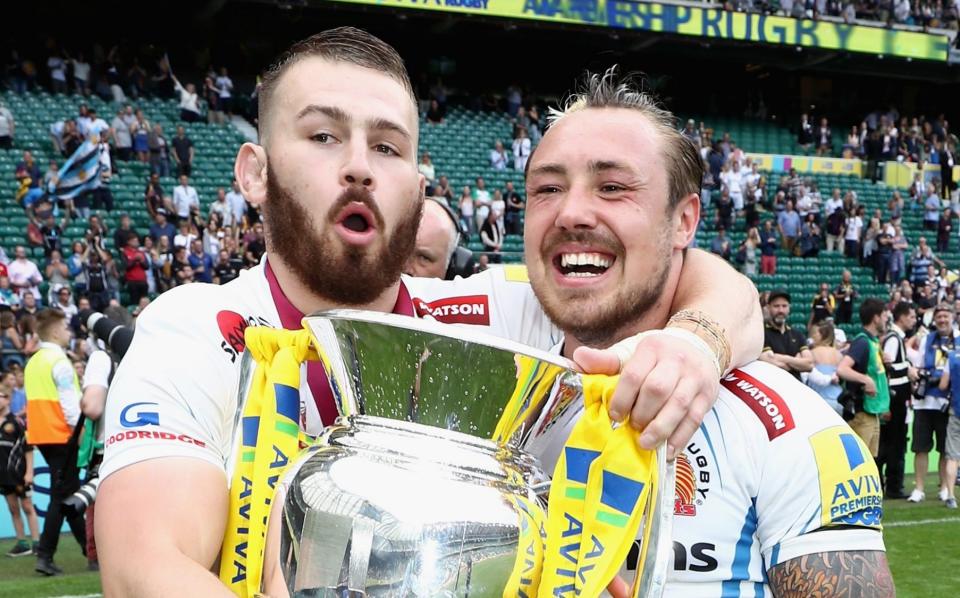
[[342, 44], [870, 309], [47, 319], [901, 309]]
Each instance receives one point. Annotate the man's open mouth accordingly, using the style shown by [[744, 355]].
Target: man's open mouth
[[583, 265], [357, 217]]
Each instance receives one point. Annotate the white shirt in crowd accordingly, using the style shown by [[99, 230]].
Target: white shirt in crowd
[[521, 153], [97, 373], [832, 205], [57, 68], [184, 198], [225, 210], [81, 71], [68, 309], [188, 101], [498, 160], [92, 127], [225, 85], [184, 240], [854, 226], [6, 122], [428, 171], [121, 133], [237, 204], [106, 168], [24, 273]]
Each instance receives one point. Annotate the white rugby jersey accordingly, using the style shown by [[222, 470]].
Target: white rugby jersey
[[772, 474], [175, 393]]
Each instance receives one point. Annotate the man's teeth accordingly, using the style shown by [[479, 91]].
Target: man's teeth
[[581, 274], [584, 259]]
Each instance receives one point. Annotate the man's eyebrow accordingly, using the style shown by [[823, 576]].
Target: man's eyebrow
[[597, 166], [332, 112], [384, 124], [548, 169], [340, 116]]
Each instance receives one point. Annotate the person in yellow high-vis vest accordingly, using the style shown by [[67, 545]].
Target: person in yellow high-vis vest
[[53, 410]]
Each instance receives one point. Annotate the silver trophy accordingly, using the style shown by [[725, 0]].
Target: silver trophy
[[407, 495]]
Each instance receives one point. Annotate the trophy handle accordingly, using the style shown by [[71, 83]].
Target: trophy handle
[[652, 577]]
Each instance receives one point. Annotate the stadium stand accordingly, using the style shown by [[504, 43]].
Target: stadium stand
[[459, 146]]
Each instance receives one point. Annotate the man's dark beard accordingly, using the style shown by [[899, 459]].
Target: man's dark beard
[[604, 327], [341, 273]]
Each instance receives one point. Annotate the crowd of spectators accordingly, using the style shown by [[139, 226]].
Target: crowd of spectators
[[886, 136], [792, 216], [116, 78], [934, 14], [914, 330]]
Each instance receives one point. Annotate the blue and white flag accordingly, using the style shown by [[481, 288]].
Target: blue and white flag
[[80, 173]]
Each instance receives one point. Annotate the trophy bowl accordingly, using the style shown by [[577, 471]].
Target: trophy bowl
[[408, 494]]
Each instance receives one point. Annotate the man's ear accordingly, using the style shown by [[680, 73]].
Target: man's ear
[[422, 184], [250, 170], [687, 215]]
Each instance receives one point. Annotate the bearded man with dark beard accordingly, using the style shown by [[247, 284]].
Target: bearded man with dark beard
[[335, 175]]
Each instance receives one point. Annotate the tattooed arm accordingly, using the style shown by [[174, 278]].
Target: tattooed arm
[[861, 573]]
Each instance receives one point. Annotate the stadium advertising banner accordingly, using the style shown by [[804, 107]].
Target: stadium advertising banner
[[899, 174], [697, 22], [811, 164]]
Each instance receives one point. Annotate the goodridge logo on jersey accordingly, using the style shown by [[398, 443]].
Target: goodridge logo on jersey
[[850, 491], [470, 309]]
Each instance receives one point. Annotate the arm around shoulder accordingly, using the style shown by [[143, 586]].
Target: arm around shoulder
[[709, 284]]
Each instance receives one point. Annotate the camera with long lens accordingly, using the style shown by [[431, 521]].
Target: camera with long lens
[[82, 498], [116, 336]]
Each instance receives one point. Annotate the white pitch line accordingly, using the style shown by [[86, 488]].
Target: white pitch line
[[83, 596], [921, 522]]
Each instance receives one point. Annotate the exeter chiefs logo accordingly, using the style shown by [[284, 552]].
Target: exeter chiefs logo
[[693, 481], [686, 488]]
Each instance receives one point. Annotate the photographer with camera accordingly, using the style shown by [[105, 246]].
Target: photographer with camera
[[109, 334], [96, 381], [863, 370], [930, 402]]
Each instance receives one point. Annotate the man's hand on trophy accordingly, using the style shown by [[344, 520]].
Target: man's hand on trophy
[[667, 384], [618, 588]]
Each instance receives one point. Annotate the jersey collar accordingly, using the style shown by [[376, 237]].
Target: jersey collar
[[290, 316]]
